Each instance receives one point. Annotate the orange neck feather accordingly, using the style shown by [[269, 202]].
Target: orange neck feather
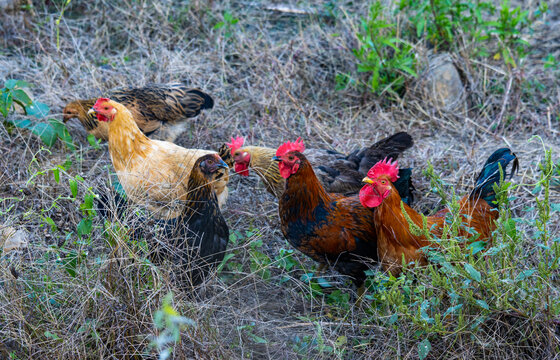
[[125, 138], [390, 220]]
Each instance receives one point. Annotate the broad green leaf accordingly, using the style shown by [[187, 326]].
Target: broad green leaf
[[22, 84], [63, 134], [408, 70], [21, 97], [88, 201], [70, 262], [10, 84], [93, 142], [525, 274], [37, 109], [341, 341], [323, 282], [51, 222], [51, 335], [257, 339], [452, 310], [22, 123], [5, 103], [477, 246], [482, 304], [224, 261], [56, 172], [84, 227], [473, 273], [73, 187], [424, 348], [46, 132], [219, 25], [393, 319], [307, 277]]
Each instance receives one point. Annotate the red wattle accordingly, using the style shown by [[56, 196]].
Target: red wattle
[[369, 198], [241, 169], [285, 171]]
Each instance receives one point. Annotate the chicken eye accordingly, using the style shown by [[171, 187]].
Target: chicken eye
[[291, 158], [383, 182]]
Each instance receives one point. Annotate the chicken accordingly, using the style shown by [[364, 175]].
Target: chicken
[[152, 173], [394, 239], [329, 228], [338, 173], [198, 238], [159, 110]]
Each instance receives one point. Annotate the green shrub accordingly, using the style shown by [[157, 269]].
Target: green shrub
[[49, 130], [387, 60]]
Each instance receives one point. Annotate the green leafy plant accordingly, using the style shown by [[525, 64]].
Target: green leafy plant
[[169, 323], [443, 22], [387, 60], [227, 25], [49, 130], [550, 62], [467, 283], [508, 29], [248, 329], [260, 262], [457, 25]]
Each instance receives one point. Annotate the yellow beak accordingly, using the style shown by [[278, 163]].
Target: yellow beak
[[367, 180]]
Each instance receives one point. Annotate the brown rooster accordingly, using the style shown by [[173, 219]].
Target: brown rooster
[[394, 239], [159, 110], [338, 173], [151, 172], [330, 228]]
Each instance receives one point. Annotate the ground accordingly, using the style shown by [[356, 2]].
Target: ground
[[272, 75]]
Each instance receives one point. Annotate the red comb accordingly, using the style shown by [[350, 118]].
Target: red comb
[[385, 167], [100, 101], [291, 146], [236, 143]]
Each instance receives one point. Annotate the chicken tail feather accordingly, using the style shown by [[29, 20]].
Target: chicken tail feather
[[490, 174], [203, 100], [404, 186]]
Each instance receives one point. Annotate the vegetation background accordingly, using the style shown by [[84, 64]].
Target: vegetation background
[[340, 74]]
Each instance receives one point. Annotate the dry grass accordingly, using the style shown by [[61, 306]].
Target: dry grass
[[272, 80]]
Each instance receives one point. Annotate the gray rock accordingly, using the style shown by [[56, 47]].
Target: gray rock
[[441, 85]]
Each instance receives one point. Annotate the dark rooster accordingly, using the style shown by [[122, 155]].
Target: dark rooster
[[198, 238], [395, 241], [330, 228], [337, 172], [159, 109]]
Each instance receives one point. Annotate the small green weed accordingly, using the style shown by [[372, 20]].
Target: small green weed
[[387, 60], [227, 25], [169, 323], [49, 131]]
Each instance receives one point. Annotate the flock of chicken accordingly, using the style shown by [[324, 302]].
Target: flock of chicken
[[348, 211]]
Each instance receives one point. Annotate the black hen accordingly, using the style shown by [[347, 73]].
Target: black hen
[[196, 240], [344, 173]]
